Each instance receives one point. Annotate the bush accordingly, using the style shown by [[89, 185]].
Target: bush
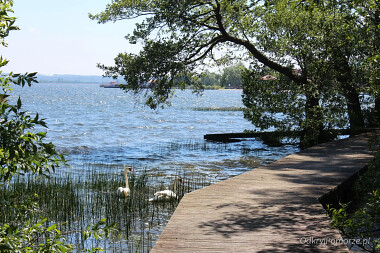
[[23, 151], [363, 223]]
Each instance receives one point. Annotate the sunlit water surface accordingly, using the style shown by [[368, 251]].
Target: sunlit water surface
[[101, 130], [108, 125]]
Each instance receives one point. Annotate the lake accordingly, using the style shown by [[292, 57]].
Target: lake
[[102, 130], [112, 126]]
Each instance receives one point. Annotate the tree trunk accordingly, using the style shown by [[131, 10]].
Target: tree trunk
[[377, 111], [346, 80], [312, 129], [353, 107]]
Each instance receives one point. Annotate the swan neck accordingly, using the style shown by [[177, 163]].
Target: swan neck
[[126, 179]]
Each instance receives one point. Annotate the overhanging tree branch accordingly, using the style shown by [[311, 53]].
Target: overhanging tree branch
[[256, 53]]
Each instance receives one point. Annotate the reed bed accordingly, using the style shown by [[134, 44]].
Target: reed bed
[[75, 201], [75, 197], [221, 109], [206, 146]]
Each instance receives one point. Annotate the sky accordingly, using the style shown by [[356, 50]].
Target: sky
[[57, 37]]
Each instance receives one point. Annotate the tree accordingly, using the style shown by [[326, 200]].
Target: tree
[[300, 34], [24, 151], [210, 79], [369, 71], [232, 76], [186, 34], [21, 150], [180, 36], [329, 42]]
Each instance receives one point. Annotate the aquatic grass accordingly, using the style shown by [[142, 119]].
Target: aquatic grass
[[202, 145], [221, 109], [75, 197], [76, 201], [56, 197], [242, 147]]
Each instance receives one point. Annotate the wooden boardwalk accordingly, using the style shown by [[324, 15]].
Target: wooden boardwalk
[[269, 209]]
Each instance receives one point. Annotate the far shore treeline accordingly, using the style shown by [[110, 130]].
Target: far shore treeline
[[230, 78]]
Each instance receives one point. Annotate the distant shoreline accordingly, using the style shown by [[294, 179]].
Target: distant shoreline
[[58, 79], [86, 79]]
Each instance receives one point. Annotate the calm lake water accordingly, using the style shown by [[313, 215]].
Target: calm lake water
[[110, 126]]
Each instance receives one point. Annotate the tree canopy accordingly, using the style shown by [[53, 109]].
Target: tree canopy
[[180, 36], [323, 52], [232, 76]]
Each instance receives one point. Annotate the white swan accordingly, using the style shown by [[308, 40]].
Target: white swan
[[167, 195], [121, 191]]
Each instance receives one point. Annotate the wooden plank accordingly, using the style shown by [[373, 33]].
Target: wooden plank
[[227, 136], [269, 209], [266, 135]]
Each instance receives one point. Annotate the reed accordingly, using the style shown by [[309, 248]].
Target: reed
[[221, 109], [75, 201], [201, 145]]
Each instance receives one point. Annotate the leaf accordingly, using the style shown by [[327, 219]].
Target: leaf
[[86, 234], [19, 104], [32, 74], [52, 227], [41, 134]]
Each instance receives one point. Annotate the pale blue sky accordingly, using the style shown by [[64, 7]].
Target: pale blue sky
[[57, 37]]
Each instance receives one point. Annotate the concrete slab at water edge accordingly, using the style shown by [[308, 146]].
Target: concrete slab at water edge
[[269, 209]]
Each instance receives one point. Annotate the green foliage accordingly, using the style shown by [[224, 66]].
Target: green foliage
[[43, 236], [370, 182], [232, 76], [323, 54], [279, 103], [99, 230], [158, 62], [272, 103], [6, 23], [21, 150], [327, 49], [38, 237], [178, 38], [22, 235], [210, 79], [24, 151], [363, 223], [316, 39]]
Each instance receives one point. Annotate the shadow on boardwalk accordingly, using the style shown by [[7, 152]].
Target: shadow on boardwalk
[[269, 209]]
